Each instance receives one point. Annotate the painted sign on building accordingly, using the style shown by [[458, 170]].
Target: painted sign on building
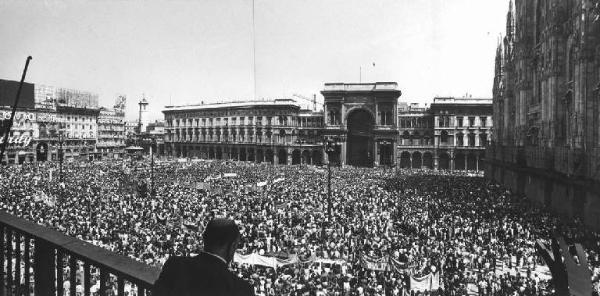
[[19, 116], [47, 117], [21, 141]]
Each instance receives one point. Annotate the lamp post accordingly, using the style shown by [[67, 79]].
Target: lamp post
[[329, 149], [60, 154], [143, 104], [153, 144]]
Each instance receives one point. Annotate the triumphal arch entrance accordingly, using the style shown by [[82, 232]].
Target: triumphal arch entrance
[[361, 118]]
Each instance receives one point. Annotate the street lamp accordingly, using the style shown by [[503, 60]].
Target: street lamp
[[152, 193], [330, 146], [60, 153]]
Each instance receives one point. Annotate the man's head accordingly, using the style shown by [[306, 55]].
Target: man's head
[[221, 237]]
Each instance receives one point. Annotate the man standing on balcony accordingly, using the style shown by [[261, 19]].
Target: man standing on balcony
[[205, 274]]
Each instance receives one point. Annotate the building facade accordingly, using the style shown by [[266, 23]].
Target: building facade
[[156, 131], [361, 119], [261, 131], [111, 133], [546, 142], [450, 134], [58, 117], [22, 138]]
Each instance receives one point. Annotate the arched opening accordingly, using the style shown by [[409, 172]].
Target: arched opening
[[386, 153], [43, 130], [471, 162], [444, 137], [269, 155], [416, 138], [444, 161], [428, 160], [296, 157], [483, 142], [405, 138], [243, 154], [282, 155], [259, 155], [306, 157], [282, 136], [417, 161], [459, 161], [219, 153], [405, 160], [251, 155], [234, 153], [42, 152], [471, 139], [360, 138], [259, 136], [316, 157], [460, 139]]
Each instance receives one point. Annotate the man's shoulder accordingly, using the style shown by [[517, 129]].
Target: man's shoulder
[[243, 287]]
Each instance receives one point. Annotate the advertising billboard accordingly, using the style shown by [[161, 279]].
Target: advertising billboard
[[8, 93]]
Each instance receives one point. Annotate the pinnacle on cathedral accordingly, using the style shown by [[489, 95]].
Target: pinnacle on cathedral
[[498, 70], [510, 21]]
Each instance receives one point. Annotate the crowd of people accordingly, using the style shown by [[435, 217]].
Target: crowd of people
[[477, 236]]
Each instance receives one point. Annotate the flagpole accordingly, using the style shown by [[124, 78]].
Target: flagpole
[[12, 114]]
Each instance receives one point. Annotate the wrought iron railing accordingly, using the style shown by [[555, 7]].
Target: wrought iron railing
[[40, 261]]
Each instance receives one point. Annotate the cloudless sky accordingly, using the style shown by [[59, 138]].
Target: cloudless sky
[[183, 52]]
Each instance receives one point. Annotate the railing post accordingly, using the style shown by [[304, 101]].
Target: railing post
[[86, 279], [2, 258], [44, 268], [18, 262], [72, 275], [59, 273], [9, 256], [27, 265]]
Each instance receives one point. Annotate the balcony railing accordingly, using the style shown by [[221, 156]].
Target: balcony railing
[[38, 260]]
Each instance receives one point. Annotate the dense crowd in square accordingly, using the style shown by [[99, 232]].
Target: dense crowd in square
[[474, 234]]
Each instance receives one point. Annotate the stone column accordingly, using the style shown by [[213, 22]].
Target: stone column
[[451, 160], [395, 153], [477, 161], [455, 137], [342, 153], [376, 155], [289, 158], [436, 160]]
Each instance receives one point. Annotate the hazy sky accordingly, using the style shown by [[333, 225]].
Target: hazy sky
[[181, 52]]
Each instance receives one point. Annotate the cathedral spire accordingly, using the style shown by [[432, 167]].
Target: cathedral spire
[[510, 21], [498, 71]]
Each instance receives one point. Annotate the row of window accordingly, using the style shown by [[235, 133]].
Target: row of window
[[415, 122], [243, 120], [463, 121], [242, 132], [234, 138], [384, 117]]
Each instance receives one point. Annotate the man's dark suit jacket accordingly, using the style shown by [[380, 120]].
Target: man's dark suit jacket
[[202, 275]]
